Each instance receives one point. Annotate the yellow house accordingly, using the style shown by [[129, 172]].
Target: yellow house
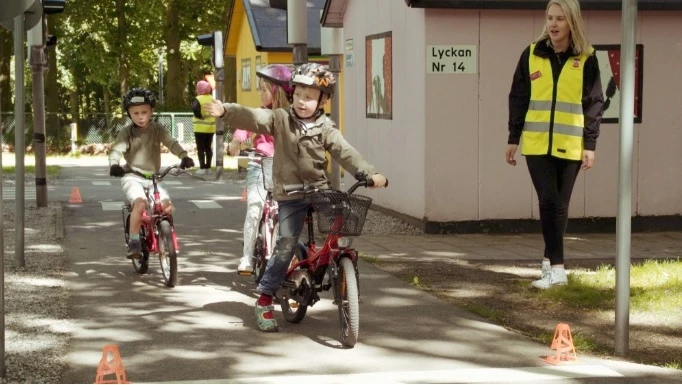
[[257, 36]]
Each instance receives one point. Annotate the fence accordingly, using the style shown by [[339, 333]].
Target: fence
[[93, 128]]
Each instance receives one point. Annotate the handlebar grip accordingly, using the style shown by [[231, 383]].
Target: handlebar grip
[[386, 185], [369, 182], [292, 187]]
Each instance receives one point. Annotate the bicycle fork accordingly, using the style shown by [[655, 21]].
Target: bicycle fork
[[334, 275]]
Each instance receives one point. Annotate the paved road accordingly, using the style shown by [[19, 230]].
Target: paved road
[[204, 329]]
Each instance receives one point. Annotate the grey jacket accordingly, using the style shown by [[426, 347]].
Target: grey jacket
[[141, 149], [299, 152]]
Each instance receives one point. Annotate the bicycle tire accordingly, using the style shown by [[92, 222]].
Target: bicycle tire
[[141, 265], [349, 307], [259, 261], [167, 255], [293, 310]]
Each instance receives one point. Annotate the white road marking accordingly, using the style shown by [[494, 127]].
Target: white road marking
[[207, 204]]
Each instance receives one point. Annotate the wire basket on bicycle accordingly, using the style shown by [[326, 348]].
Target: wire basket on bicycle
[[339, 212], [266, 168]]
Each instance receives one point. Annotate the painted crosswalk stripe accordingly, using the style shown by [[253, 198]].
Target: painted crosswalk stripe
[[101, 183], [207, 204], [172, 182], [112, 206]]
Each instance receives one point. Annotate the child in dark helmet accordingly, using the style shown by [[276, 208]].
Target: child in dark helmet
[[140, 145], [302, 136]]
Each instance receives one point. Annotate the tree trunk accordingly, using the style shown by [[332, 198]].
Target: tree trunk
[[174, 85], [122, 38], [52, 98], [6, 48]]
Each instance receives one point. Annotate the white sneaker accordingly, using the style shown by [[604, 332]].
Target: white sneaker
[[199, 172], [245, 266], [556, 277]]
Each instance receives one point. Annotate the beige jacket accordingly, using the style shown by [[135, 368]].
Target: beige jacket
[[299, 152]]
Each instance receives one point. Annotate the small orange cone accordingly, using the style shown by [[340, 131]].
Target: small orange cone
[[244, 195], [562, 344], [109, 366], [75, 196]]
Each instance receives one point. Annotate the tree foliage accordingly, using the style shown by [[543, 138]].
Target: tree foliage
[[106, 47]]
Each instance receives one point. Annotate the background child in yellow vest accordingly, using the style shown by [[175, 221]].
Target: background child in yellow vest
[[555, 108], [204, 126]]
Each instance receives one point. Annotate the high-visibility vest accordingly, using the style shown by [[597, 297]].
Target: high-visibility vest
[[555, 121], [207, 124]]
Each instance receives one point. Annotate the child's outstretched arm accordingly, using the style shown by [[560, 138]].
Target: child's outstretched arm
[[349, 158], [260, 120]]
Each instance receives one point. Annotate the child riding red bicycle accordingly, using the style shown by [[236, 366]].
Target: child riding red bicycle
[[140, 145], [303, 134]]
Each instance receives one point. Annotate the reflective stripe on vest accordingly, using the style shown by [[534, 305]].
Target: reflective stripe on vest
[[206, 125], [565, 121]]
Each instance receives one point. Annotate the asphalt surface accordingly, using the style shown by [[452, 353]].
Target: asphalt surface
[[204, 330]]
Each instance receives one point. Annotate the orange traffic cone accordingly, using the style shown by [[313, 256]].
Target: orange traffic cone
[[75, 196], [112, 365], [562, 344], [244, 195]]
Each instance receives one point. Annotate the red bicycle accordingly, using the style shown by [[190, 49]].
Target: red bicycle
[[340, 215], [157, 233]]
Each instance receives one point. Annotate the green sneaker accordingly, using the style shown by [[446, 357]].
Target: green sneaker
[[265, 317]]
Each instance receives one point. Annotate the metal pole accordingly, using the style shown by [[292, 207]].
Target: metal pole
[[37, 70], [297, 30], [335, 68], [624, 220], [219, 125], [2, 273], [218, 62], [19, 110]]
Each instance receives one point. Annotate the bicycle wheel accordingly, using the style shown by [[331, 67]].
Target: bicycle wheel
[[261, 254], [167, 254], [294, 301], [141, 265], [349, 308]]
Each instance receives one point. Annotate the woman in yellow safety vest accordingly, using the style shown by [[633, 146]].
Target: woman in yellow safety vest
[[555, 108], [204, 126]]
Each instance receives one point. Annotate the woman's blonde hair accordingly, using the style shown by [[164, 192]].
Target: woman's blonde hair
[[574, 18], [279, 98]]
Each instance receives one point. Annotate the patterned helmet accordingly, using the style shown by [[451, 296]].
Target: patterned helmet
[[316, 76], [278, 74], [138, 97]]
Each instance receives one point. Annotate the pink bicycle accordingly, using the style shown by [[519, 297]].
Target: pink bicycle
[[157, 233], [268, 227]]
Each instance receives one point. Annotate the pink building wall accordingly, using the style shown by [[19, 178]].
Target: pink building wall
[[443, 151]]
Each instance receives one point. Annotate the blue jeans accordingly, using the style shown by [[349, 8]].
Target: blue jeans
[[291, 218]]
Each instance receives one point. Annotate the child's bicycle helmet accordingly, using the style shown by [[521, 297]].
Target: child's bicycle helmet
[[316, 76], [138, 97], [278, 74]]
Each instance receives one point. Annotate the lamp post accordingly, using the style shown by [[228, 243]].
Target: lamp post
[[215, 40], [331, 40]]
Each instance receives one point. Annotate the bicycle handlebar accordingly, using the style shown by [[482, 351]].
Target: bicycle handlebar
[[155, 175], [362, 181]]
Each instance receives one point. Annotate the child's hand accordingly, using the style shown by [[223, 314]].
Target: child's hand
[[233, 147], [215, 108], [379, 180]]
